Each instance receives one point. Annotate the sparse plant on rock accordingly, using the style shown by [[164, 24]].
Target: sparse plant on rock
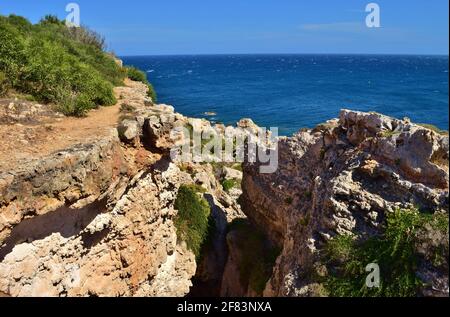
[[192, 221], [396, 253], [138, 75]]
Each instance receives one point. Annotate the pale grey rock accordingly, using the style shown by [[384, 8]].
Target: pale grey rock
[[344, 177], [129, 130], [230, 173]]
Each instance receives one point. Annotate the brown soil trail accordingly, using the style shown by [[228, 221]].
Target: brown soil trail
[[26, 141]]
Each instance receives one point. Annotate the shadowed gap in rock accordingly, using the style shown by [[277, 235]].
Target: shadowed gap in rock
[[208, 278], [65, 221]]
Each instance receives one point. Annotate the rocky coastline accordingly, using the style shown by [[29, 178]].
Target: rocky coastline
[[97, 218]]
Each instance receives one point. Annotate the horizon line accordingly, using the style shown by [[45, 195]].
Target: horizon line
[[248, 54]]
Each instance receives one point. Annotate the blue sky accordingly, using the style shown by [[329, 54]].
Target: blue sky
[[147, 27]]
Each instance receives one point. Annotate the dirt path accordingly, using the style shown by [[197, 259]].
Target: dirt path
[[19, 142]]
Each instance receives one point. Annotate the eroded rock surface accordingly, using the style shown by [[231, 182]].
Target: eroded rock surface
[[96, 219], [344, 177]]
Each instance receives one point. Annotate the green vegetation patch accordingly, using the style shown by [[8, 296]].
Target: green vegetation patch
[[3, 84], [57, 64], [138, 75], [258, 255], [229, 184], [192, 222], [433, 128], [389, 133], [237, 166], [394, 252]]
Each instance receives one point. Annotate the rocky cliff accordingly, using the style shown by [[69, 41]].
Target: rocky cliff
[[344, 178], [97, 218]]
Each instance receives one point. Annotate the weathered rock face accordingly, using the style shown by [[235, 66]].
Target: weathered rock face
[[106, 248], [342, 178], [97, 219], [232, 285]]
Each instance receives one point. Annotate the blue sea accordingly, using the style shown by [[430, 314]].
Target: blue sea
[[295, 91]]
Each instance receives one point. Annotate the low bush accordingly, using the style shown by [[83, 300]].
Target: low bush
[[88, 37], [51, 19], [12, 53], [229, 184], [152, 93], [3, 84], [138, 75], [394, 252], [56, 64], [193, 219]]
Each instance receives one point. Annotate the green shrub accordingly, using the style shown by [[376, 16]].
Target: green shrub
[[51, 19], [74, 105], [88, 37], [12, 57], [83, 104], [288, 200], [104, 93], [56, 64], [67, 105], [20, 22], [152, 93], [3, 84], [394, 252], [340, 248], [229, 184], [193, 219], [138, 75], [258, 255], [47, 70]]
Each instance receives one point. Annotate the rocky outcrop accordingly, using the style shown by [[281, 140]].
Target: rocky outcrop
[[345, 177], [96, 219], [126, 248], [93, 220]]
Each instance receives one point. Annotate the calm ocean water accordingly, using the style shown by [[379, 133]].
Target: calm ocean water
[[295, 91]]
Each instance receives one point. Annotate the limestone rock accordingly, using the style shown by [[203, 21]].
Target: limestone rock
[[96, 219], [344, 177], [231, 173], [128, 130]]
